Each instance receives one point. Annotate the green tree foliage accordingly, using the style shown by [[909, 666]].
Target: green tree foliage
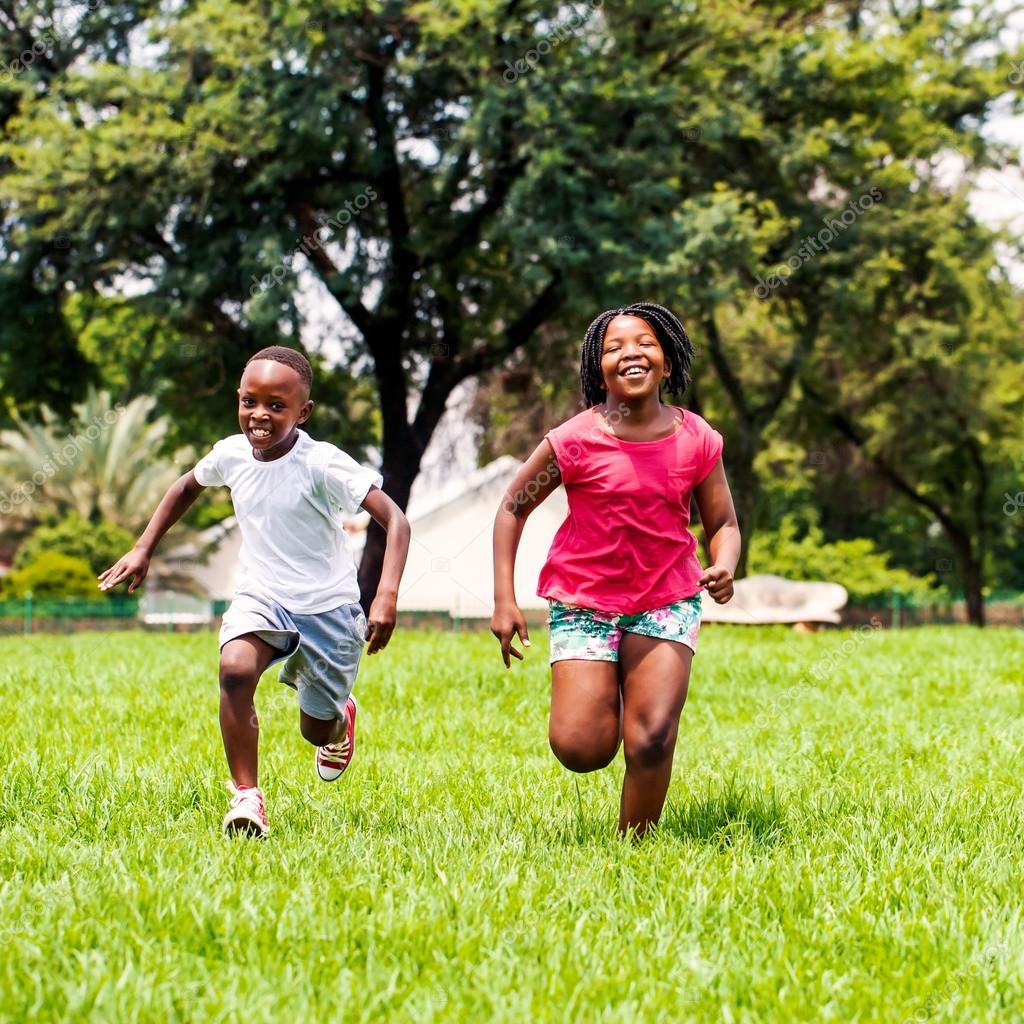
[[52, 574], [452, 178]]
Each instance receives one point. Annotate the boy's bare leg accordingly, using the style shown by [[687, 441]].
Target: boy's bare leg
[[584, 729], [320, 732], [655, 674], [242, 662]]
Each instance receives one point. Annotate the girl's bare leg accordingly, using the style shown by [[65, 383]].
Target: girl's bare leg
[[584, 729], [655, 675]]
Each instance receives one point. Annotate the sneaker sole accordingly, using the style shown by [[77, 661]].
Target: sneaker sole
[[244, 826]]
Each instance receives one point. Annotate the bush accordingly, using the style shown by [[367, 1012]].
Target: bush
[[99, 545], [856, 564], [52, 575]]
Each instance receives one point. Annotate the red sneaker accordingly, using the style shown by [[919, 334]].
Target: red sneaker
[[247, 813], [333, 758]]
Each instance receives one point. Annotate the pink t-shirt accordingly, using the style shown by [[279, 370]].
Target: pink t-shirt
[[625, 546]]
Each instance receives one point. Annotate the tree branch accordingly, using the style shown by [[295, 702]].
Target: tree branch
[[729, 380]]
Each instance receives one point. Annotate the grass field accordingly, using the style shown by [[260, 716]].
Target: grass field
[[847, 849]]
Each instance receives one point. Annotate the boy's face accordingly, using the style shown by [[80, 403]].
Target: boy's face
[[272, 401]]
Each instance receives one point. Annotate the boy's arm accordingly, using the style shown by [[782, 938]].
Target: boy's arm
[[174, 504], [718, 516], [381, 620], [538, 477]]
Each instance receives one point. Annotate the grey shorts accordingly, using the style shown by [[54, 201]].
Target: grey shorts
[[321, 652]]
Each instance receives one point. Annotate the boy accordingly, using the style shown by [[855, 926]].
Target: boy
[[296, 598]]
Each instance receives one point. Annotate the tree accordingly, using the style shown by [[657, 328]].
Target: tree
[[424, 165], [934, 401], [827, 121]]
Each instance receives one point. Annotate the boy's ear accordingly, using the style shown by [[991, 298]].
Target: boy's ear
[[307, 408]]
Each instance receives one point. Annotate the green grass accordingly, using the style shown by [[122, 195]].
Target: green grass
[[848, 850]]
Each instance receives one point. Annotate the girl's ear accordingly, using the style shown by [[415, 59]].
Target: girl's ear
[[667, 372]]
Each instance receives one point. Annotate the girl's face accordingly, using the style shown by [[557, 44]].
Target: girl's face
[[632, 362]]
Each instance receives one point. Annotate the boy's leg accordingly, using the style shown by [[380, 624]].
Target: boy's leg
[[320, 732], [584, 725], [323, 671], [242, 662], [655, 676]]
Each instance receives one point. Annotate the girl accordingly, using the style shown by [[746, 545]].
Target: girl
[[622, 577]]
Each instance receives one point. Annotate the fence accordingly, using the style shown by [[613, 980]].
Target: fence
[[1002, 608], [68, 615]]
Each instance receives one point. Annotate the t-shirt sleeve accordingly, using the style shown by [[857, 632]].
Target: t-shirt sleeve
[[209, 470], [710, 451], [347, 483], [567, 451]]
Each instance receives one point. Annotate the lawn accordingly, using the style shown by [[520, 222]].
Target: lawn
[[843, 841]]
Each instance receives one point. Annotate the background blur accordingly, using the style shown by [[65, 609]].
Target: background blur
[[434, 200]]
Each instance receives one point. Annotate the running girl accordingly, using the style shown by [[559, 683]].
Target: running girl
[[622, 576]]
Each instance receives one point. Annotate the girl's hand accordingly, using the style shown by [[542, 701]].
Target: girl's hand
[[717, 580], [506, 622], [134, 564], [380, 622]]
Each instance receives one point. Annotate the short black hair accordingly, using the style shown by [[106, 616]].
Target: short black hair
[[669, 331], [290, 357]]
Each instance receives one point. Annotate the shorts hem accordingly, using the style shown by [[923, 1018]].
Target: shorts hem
[[281, 654]]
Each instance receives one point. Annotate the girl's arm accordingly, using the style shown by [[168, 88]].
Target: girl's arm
[[538, 477], [384, 609], [174, 504], [718, 516]]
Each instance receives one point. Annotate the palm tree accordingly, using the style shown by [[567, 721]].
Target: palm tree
[[104, 464]]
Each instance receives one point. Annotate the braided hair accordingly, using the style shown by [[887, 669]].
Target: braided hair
[[671, 335], [290, 357]]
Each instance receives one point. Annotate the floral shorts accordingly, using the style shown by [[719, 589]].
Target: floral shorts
[[589, 635]]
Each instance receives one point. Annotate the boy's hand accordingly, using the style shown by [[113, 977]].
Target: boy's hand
[[506, 622], [717, 580], [380, 622], [134, 564]]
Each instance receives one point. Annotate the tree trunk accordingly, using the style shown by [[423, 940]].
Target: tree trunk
[[399, 471], [973, 577], [745, 492]]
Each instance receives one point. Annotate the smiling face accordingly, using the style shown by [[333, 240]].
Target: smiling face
[[632, 361], [272, 401]]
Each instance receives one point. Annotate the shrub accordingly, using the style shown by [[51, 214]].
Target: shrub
[[856, 564], [52, 574], [100, 545]]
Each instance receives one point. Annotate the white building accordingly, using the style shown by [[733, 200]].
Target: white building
[[450, 566]]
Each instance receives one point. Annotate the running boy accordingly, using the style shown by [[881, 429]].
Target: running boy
[[296, 597], [622, 577]]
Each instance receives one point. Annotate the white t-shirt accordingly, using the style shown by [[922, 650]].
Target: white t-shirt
[[293, 545]]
